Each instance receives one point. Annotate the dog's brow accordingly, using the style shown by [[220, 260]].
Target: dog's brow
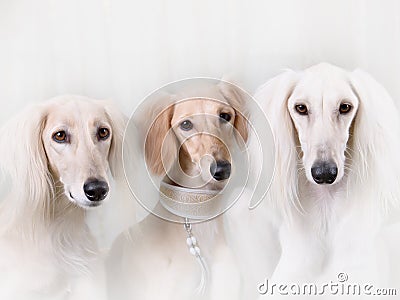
[[100, 122], [63, 124], [188, 115]]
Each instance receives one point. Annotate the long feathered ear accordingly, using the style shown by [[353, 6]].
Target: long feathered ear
[[24, 159], [238, 99], [161, 149], [273, 97], [375, 140], [118, 123]]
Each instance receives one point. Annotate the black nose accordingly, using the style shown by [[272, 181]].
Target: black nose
[[324, 172], [95, 190], [220, 170]]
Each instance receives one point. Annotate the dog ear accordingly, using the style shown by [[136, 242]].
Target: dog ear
[[118, 123], [273, 97], [238, 99], [160, 144], [375, 139], [24, 160]]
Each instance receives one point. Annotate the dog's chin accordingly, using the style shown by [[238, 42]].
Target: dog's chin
[[216, 185], [83, 203]]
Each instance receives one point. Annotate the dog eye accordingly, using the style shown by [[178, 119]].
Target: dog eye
[[186, 125], [301, 109], [60, 137], [103, 133], [225, 116], [344, 108]]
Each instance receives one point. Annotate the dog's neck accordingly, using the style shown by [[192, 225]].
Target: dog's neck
[[206, 231], [69, 227], [208, 234], [57, 227], [323, 202], [197, 204]]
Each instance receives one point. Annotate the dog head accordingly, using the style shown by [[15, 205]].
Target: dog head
[[328, 123], [322, 106], [66, 145], [79, 139], [190, 140]]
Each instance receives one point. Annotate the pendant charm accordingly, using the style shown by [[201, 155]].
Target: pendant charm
[[191, 240]]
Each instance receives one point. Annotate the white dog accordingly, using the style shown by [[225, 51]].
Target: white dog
[[336, 177], [58, 156]]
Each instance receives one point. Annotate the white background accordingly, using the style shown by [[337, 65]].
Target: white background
[[124, 49]]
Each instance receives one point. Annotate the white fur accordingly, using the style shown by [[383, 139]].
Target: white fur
[[152, 261], [46, 249], [327, 229]]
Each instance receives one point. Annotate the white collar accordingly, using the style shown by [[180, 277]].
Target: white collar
[[189, 203]]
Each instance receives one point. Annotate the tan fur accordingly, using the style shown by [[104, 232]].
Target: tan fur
[[165, 143], [154, 251]]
